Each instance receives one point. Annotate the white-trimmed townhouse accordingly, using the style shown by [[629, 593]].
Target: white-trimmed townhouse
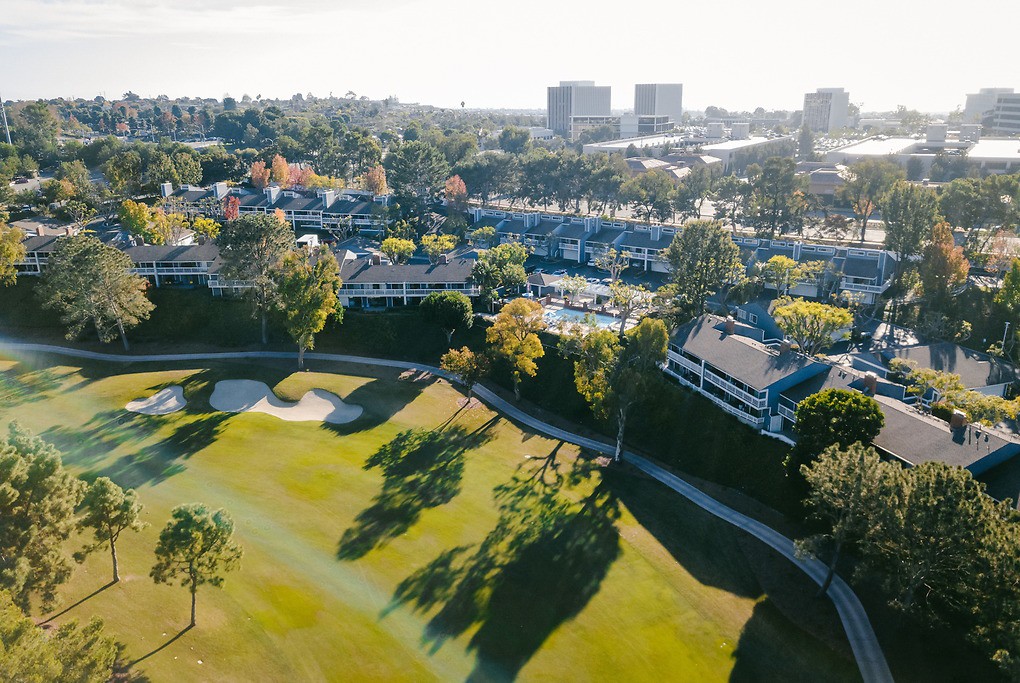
[[646, 245], [37, 254], [187, 266], [371, 283], [733, 366]]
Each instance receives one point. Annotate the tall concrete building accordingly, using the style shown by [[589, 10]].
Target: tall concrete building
[[659, 99], [1006, 114], [827, 109], [576, 98], [981, 103]]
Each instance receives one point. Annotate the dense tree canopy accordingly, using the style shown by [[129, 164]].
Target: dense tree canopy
[[90, 284], [38, 498]]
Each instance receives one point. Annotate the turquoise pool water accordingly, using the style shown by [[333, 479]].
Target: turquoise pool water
[[571, 316]]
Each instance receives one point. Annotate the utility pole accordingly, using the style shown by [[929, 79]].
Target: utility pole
[[3, 115], [1004, 333]]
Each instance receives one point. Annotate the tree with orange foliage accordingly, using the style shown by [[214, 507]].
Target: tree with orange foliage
[[280, 216], [374, 180], [943, 267], [456, 193], [231, 207], [281, 171], [301, 176], [259, 174]]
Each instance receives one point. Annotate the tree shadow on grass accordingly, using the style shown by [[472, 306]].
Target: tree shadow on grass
[[380, 400], [24, 383], [160, 648], [421, 469], [193, 429], [703, 545], [79, 602], [536, 569], [772, 648]]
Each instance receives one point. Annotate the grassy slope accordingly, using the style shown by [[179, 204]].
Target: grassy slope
[[606, 596]]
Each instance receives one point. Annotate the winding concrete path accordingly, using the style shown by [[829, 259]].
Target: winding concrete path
[[867, 652]]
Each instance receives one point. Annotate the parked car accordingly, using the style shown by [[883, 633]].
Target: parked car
[[538, 271], [561, 271]]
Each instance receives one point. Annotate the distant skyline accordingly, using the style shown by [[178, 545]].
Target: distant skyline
[[491, 55]]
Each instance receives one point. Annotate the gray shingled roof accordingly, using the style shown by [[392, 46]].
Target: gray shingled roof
[[545, 227], [192, 252], [975, 369], [917, 438], [644, 240], [606, 235], [573, 231], [45, 244], [362, 271], [737, 356]]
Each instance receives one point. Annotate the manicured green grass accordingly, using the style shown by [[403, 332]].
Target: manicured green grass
[[486, 552]]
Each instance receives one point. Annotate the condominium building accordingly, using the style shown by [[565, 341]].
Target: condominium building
[[826, 109], [576, 98], [659, 99], [320, 209], [368, 282], [980, 104]]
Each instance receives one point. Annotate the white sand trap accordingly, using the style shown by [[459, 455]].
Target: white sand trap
[[246, 395], [163, 402]]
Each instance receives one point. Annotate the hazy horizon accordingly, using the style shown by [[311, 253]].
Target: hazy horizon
[[745, 55]]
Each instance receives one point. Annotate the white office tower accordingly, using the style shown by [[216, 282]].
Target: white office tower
[[827, 109], [982, 103], [659, 99], [1006, 114], [576, 98]]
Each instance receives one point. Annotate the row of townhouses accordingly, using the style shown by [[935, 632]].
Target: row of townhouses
[[867, 273], [368, 281], [321, 209], [761, 380]]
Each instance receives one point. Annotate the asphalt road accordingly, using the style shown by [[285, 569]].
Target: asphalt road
[[867, 652]]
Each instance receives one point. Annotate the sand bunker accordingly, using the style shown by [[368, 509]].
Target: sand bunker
[[163, 402], [246, 395]]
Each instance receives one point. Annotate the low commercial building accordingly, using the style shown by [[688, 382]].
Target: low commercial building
[[987, 155], [737, 155]]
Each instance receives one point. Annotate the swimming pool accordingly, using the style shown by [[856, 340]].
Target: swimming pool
[[567, 315]]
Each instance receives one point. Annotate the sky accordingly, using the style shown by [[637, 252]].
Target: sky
[[738, 54]]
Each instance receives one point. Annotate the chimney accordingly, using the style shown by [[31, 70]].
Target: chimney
[[220, 190], [376, 260], [731, 325], [328, 197], [958, 420], [443, 259], [870, 383], [272, 194], [166, 189], [656, 233]]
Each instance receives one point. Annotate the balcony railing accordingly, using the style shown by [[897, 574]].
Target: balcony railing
[[787, 413], [732, 410], [392, 291], [726, 386], [858, 287], [683, 362]]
